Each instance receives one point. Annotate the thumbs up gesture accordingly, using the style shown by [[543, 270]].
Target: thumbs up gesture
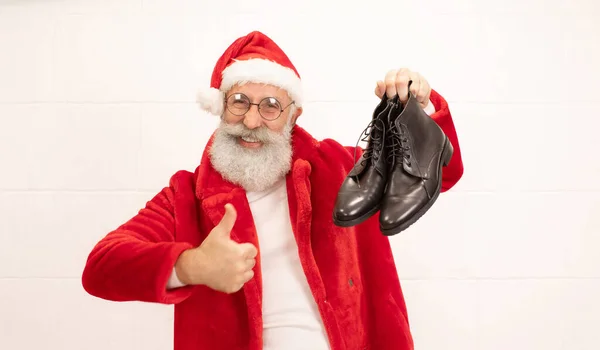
[[219, 262]]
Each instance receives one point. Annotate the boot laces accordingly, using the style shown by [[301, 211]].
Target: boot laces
[[398, 146], [375, 142]]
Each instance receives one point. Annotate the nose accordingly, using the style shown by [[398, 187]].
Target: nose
[[252, 118]]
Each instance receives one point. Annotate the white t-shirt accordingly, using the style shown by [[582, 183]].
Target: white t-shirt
[[291, 317]]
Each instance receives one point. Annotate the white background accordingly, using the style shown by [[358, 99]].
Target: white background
[[97, 112]]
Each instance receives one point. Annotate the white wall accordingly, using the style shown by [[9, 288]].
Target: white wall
[[97, 111]]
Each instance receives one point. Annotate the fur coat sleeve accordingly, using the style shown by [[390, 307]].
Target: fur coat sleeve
[[134, 261]]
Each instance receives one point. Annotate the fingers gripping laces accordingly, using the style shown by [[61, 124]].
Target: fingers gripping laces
[[374, 134]]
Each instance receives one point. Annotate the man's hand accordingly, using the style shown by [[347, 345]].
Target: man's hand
[[396, 82], [219, 262]]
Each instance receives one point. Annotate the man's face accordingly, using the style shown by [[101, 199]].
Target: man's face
[[250, 149]]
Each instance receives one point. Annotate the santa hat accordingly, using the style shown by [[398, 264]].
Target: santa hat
[[251, 58]]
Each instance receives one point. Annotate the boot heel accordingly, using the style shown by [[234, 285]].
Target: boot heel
[[447, 153]]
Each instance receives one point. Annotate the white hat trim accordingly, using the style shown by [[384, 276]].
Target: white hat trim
[[255, 71], [211, 100]]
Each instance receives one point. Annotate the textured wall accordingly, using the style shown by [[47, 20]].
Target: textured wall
[[97, 111]]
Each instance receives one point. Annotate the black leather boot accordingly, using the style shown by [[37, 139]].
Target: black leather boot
[[360, 194], [417, 148]]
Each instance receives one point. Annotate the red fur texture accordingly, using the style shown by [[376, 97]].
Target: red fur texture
[[350, 271]]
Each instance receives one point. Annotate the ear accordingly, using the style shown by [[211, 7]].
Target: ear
[[297, 114]]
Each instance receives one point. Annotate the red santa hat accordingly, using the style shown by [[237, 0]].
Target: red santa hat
[[251, 58]]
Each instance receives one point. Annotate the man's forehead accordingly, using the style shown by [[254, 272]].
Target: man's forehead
[[259, 90]]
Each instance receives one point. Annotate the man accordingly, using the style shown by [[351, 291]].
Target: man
[[245, 247]]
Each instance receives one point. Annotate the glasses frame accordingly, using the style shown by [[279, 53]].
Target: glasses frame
[[250, 104]]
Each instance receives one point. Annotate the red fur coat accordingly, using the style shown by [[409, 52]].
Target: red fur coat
[[350, 271]]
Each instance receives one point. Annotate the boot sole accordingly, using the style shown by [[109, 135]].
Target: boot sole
[[358, 220], [447, 153]]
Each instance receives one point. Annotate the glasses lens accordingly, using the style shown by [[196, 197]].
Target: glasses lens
[[238, 104], [270, 108]]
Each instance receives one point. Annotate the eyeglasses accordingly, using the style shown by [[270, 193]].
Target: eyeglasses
[[269, 108]]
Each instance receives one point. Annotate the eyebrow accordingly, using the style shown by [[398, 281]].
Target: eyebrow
[[280, 99]]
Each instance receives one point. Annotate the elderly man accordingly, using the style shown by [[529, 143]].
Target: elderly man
[[246, 247]]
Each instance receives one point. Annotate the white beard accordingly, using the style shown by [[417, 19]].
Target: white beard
[[253, 169]]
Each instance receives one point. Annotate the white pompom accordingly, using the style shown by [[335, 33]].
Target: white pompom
[[210, 100]]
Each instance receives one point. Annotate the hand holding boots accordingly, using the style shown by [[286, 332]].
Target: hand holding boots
[[414, 148], [397, 83]]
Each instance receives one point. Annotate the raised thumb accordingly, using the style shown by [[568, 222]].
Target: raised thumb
[[228, 220]]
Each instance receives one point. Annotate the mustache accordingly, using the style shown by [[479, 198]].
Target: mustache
[[262, 134]]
